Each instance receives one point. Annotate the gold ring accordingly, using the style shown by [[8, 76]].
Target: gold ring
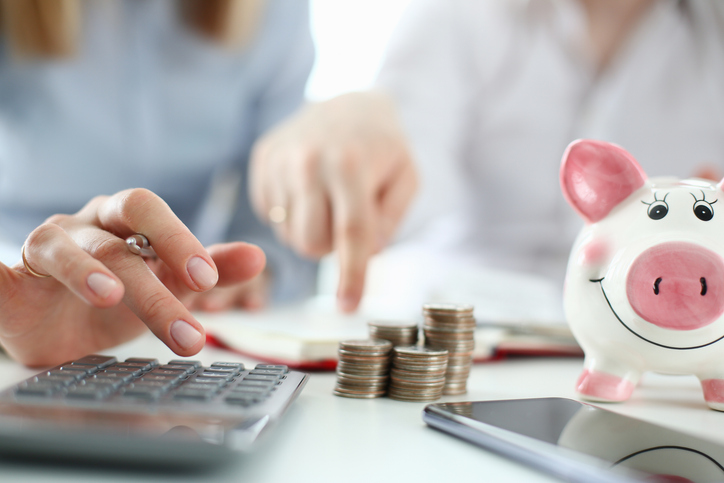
[[277, 214], [27, 266]]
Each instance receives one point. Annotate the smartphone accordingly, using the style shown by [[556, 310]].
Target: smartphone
[[579, 442]]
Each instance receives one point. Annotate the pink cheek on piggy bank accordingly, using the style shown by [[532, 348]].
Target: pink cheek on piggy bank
[[677, 286], [594, 253]]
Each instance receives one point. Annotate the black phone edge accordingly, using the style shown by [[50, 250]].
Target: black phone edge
[[562, 463]]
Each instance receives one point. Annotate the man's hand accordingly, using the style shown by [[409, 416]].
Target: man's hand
[[336, 176], [99, 294]]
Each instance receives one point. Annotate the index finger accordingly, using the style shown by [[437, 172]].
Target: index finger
[[141, 211], [354, 229]]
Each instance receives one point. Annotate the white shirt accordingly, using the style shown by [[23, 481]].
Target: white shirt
[[492, 91]]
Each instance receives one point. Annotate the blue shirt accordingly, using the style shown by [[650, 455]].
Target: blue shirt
[[148, 102]]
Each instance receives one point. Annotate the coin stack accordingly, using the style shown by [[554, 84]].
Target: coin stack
[[418, 373], [397, 332], [452, 327], [363, 368]]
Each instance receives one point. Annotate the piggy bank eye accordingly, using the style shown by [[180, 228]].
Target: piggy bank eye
[[658, 210], [703, 210]]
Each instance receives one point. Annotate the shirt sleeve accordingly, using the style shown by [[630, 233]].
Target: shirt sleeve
[[282, 94], [427, 71]]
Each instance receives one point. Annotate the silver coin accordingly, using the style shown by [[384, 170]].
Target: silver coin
[[420, 392], [450, 322], [418, 351], [356, 395], [454, 391], [415, 398], [393, 324], [449, 332], [371, 357], [361, 377], [399, 372], [366, 345], [447, 308]]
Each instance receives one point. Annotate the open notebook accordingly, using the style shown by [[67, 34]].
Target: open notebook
[[516, 314]]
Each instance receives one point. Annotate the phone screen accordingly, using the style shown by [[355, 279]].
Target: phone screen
[[581, 442]]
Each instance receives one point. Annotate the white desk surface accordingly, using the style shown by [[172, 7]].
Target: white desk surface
[[324, 438]]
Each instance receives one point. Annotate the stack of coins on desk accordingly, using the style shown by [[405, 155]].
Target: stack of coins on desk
[[418, 373], [363, 368], [452, 327], [397, 332]]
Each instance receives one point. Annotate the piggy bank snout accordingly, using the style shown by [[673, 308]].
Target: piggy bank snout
[[677, 286]]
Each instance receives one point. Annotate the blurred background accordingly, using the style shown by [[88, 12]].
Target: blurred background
[[350, 37]]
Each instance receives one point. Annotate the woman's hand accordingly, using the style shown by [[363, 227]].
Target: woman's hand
[[337, 175], [99, 294]]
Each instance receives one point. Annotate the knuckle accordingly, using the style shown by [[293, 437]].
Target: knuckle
[[42, 234], [110, 250], [313, 248], [167, 240], [353, 230], [57, 219], [308, 169], [349, 165], [94, 203], [154, 306], [135, 201]]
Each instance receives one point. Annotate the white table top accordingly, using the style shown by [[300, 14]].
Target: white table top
[[324, 438]]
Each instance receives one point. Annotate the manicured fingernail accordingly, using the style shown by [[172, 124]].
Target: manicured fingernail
[[185, 334], [101, 284], [201, 273]]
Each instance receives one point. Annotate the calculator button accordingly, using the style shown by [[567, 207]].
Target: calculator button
[[144, 392], [143, 366], [218, 375], [193, 394], [272, 367], [143, 382], [96, 360], [98, 385], [90, 391], [170, 379], [262, 377], [255, 390], [178, 373], [188, 369], [235, 366], [71, 368], [36, 389], [222, 370], [88, 368], [184, 362], [121, 376], [245, 382], [219, 381], [243, 399], [113, 382], [201, 386], [151, 362], [267, 372], [57, 380], [78, 375], [132, 371]]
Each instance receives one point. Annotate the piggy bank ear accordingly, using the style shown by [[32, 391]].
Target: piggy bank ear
[[596, 176]]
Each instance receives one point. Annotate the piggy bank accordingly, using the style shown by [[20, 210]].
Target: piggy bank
[[644, 288]]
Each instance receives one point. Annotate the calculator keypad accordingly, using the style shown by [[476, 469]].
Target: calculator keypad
[[101, 378]]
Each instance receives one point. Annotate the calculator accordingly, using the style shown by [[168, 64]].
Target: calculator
[[141, 411]]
